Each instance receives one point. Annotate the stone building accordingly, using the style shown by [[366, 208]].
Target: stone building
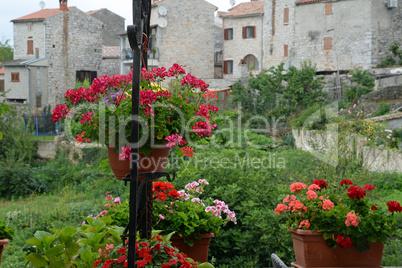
[[181, 32], [334, 34], [243, 44], [1, 78], [53, 48]]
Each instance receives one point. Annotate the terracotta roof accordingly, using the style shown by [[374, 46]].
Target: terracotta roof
[[302, 2], [94, 11], [386, 117], [245, 9], [41, 14], [110, 52], [1, 69]]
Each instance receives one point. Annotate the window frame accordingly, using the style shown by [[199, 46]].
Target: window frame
[[228, 34], [15, 77], [228, 67], [286, 14], [245, 32]]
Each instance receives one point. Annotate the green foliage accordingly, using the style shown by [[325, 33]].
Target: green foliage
[[382, 109], [394, 59], [73, 247], [6, 232], [6, 51], [79, 84], [363, 83], [313, 117]]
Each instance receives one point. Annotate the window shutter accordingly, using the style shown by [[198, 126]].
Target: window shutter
[[285, 50], [1, 85], [30, 47], [15, 77], [225, 67], [244, 32], [286, 15], [328, 9], [225, 34], [327, 43], [253, 31]]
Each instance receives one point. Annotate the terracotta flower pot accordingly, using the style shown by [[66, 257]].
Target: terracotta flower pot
[[2, 243], [155, 162], [312, 251], [199, 251]]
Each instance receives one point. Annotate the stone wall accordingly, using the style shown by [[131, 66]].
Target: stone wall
[[73, 43], [390, 95], [373, 159], [24, 31], [277, 33], [188, 38], [112, 25]]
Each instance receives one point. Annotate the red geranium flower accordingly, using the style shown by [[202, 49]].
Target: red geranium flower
[[347, 182], [373, 208], [368, 187], [394, 206], [343, 242], [356, 192], [320, 183]]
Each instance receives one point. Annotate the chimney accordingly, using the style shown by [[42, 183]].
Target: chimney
[[63, 5]]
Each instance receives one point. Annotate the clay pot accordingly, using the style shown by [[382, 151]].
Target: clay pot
[[312, 251], [2, 243], [199, 251], [155, 162]]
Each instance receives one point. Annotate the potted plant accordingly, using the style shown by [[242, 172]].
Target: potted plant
[[167, 120], [6, 235], [337, 225], [193, 220], [154, 252]]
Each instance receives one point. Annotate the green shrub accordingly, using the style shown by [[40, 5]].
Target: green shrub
[[6, 232], [362, 83], [382, 109], [394, 59]]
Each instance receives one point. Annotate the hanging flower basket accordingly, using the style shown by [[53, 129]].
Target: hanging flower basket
[[155, 162]]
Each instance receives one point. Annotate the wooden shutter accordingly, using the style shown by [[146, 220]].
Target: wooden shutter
[[328, 9], [15, 77], [244, 32], [226, 34], [1, 85], [225, 66], [30, 47], [253, 32], [285, 50], [286, 15], [327, 43]]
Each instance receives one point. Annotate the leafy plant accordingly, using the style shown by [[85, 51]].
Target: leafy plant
[[362, 84], [382, 109], [6, 232], [394, 59]]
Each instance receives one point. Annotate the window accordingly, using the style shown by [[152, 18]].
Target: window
[[82, 75], [1, 85], [228, 67], [328, 9], [228, 34], [251, 62], [218, 57], [249, 32], [327, 43], [285, 51], [30, 50], [286, 15], [15, 77]]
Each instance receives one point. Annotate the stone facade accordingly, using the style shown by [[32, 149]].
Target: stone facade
[[24, 31], [73, 43], [188, 38], [335, 35], [112, 25], [278, 34]]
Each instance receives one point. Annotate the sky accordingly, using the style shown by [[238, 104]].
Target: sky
[[12, 9]]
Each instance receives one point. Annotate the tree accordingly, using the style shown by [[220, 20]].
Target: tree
[[6, 51]]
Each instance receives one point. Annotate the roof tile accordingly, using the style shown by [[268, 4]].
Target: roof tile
[[302, 2], [41, 14], [244, 9]]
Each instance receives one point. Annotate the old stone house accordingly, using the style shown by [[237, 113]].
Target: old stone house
[[181, 32], [334, 34], [53, 48], [243, 39]]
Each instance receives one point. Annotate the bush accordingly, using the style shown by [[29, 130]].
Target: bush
[[394, 59], [382, 109], [363, 83]]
